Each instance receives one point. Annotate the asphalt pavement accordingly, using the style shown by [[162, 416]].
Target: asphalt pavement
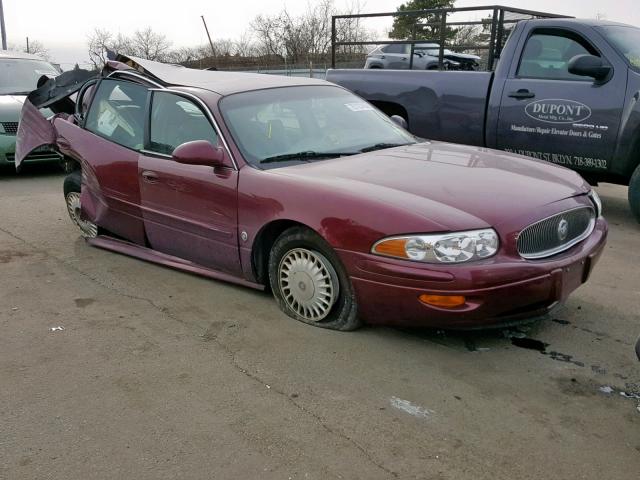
[[113, 368]]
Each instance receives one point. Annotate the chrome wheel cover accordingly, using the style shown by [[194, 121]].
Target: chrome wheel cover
[[308, 283], [88, 229]]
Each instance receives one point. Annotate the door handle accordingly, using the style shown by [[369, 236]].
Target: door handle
[[522, 94], [149, 176]]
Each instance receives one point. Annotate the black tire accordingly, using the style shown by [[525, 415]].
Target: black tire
[[72, 183], [634, 193], [343, 314]]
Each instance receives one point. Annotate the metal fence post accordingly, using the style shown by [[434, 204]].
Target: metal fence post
[[499, 35], [443, 31], [333, 42], [492, 42]]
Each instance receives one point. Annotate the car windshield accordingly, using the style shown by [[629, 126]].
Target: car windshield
[[626, 40], [20, 76], [279, 126]]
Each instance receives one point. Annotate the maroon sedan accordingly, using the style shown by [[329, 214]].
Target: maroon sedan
[[302, 187]]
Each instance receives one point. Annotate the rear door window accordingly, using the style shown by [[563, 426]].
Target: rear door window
[[176, 120], [117, 113]]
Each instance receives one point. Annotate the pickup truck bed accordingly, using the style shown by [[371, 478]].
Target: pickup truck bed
[[447, 106]]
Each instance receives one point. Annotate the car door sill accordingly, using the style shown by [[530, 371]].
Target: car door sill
[[149, 255]]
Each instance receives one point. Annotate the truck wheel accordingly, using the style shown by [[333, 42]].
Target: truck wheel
[[309, 282], [634, 193], [72, 185]]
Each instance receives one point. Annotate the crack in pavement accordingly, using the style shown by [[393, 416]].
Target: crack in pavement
[[232, 355], [229, 352]]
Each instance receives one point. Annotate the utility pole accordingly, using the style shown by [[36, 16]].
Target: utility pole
[[28, 45], [3, 31], [213, 52]]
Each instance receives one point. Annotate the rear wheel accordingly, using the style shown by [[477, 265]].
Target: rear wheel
[[309, 282], [634, 193], [72, 185]]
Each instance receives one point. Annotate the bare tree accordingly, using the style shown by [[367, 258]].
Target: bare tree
[[150, 45], [35, 47], [183, 55], [100, 41], [244, 46], [269, 32], [302, 38]]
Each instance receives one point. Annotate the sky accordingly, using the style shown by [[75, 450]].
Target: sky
[[64, 25]]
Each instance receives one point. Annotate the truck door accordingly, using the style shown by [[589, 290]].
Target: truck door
[[550, 114]]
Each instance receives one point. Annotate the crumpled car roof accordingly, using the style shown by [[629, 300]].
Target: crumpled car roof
[[223, 83]]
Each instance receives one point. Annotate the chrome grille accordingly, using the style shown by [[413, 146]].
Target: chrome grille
[[10, 127], [36, 156], [557, 233]]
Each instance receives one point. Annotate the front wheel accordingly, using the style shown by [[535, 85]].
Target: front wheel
[[72, 188], [634, 193], [309, 282]]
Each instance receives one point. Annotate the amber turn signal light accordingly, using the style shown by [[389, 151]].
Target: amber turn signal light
[[443, 301], [394, 247]]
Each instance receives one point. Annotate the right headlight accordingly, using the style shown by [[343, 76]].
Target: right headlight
[[595, 199], [457, 247]]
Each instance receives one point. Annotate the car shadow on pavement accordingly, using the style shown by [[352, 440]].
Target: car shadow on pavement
[[522, 335], [31, 171]]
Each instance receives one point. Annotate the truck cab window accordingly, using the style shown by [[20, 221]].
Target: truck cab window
[[546, 55]]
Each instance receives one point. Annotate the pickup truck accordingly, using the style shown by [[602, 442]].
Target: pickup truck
[[565, 91]]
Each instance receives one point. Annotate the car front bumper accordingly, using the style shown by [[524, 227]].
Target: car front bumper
[[498, 291]]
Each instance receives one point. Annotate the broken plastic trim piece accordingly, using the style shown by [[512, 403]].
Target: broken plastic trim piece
[[54, 92]]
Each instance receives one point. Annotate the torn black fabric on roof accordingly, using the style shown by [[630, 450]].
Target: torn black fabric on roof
[[54, 92]]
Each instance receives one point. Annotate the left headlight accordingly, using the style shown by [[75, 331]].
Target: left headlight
[[595, 198], [454, 247]]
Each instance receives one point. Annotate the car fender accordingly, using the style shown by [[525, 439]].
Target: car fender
[[346, 220], [34, 131]]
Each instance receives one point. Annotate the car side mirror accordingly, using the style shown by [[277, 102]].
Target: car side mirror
[[589, 66], [400, 121], [199, 152]]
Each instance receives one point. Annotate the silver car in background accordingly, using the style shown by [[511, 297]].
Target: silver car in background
[[425, 57]]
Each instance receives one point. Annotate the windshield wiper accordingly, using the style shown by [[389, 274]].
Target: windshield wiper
[[307, 155], [382, 146], [18, 93]]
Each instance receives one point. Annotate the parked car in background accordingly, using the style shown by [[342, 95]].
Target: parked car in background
[[301, 186], [564, 90], [396, 57], [425, 57], [19, 75], [465, 61]]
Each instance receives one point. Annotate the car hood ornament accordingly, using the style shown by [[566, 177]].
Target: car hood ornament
[[563, 229]]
